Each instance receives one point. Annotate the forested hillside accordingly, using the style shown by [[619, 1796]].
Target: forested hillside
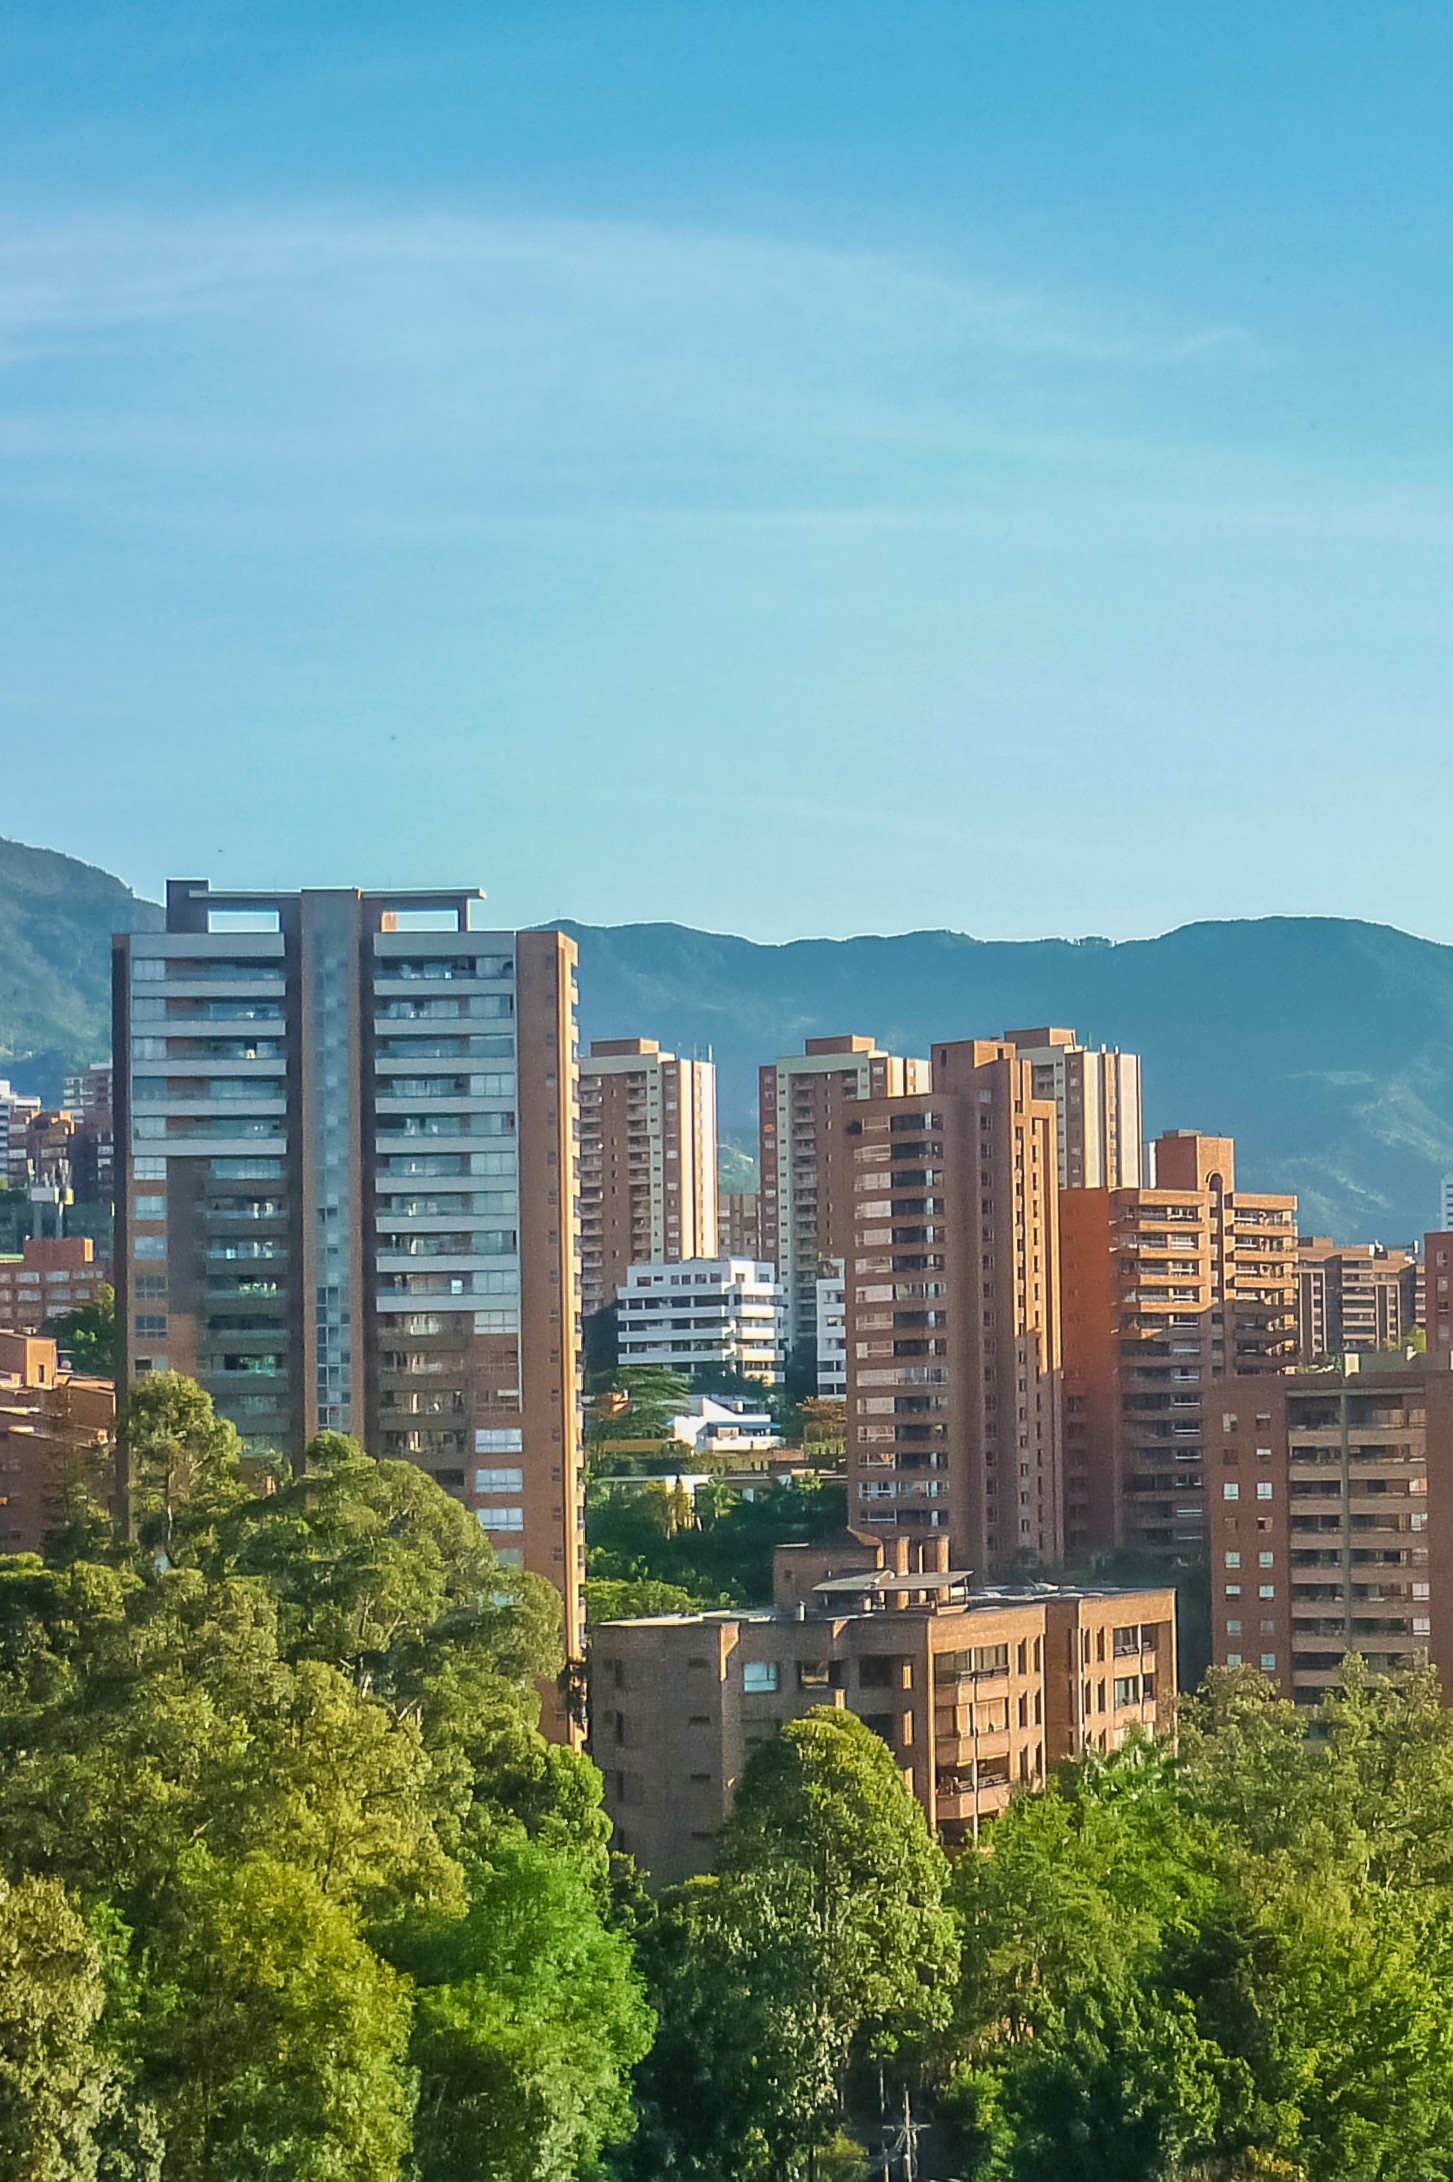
[[1324, 1046]]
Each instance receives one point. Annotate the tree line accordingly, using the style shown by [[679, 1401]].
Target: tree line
[[292, 1886]]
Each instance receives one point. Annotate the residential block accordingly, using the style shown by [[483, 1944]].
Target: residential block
[[647, 1163], [977, 1693]]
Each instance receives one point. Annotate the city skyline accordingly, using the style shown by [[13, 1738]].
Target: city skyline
[[626, 399]]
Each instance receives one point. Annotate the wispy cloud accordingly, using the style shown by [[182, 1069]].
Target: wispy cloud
[[83, 276], [549, 363]]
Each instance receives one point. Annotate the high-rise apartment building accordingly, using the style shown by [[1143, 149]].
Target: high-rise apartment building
[[979, 1694], [739, 1224], [17, 1111], [832, 1333], [1096, 1093], [952, 1310], [1437, 1284], [805, 1212], [647, 1162], [345, 1195], [703, 1314], [1167, 1290], [1331, 1512], [1352, 1297], [87, 1095]]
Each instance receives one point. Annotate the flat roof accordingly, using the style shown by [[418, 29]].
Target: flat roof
[[889, 1579]]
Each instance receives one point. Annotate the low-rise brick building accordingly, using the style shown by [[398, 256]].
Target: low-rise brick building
[[52, 1422], [978, 1693], [52, 1275]]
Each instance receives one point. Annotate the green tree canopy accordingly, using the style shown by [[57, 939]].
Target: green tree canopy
[[1231, 1959], [86, 1336], [269, 1746], [824, 1945]]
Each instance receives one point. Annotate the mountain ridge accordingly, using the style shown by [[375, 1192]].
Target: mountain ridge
[[1324, 1045]]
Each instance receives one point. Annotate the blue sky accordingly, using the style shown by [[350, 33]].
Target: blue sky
[[789, 469]]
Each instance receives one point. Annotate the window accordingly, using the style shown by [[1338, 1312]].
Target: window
[[501, 1518], [499, 1481], [759, 1677], [149, 1208], [148, 1246], [507, 1440], [812, 1674], [148, 1325], [1233, 1560], [1263, 1488], [1233, 1659], [1231, 1490], [1268, 1662], [1266, 1560], [1233, 1628], [1266, 1591], [1127, 1689], [149, 1170]]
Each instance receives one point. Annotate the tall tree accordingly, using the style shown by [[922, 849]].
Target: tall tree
[[823, 1945], [275, 2044], [59, 2083], [86, 1336], [528, 2021], [181, 1465]]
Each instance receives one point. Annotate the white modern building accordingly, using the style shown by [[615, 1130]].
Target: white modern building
[[702, 1313], [725, 1425], [832, 1339], [16, 1114]]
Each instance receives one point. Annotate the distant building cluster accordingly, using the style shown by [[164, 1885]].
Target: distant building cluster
[[365, 1180], [57, 1157]]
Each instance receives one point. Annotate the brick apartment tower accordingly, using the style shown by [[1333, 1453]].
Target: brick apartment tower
[[1352, 1297], [739, 1225], [952, 1311], [805, 1216], [647, 1163], [1167, 1290], [346, 1175], [1096, 1093], [1331, 1519], [1437, 1311]]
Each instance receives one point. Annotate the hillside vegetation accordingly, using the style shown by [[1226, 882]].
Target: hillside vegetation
[[56, 921], [1324, 1046]]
